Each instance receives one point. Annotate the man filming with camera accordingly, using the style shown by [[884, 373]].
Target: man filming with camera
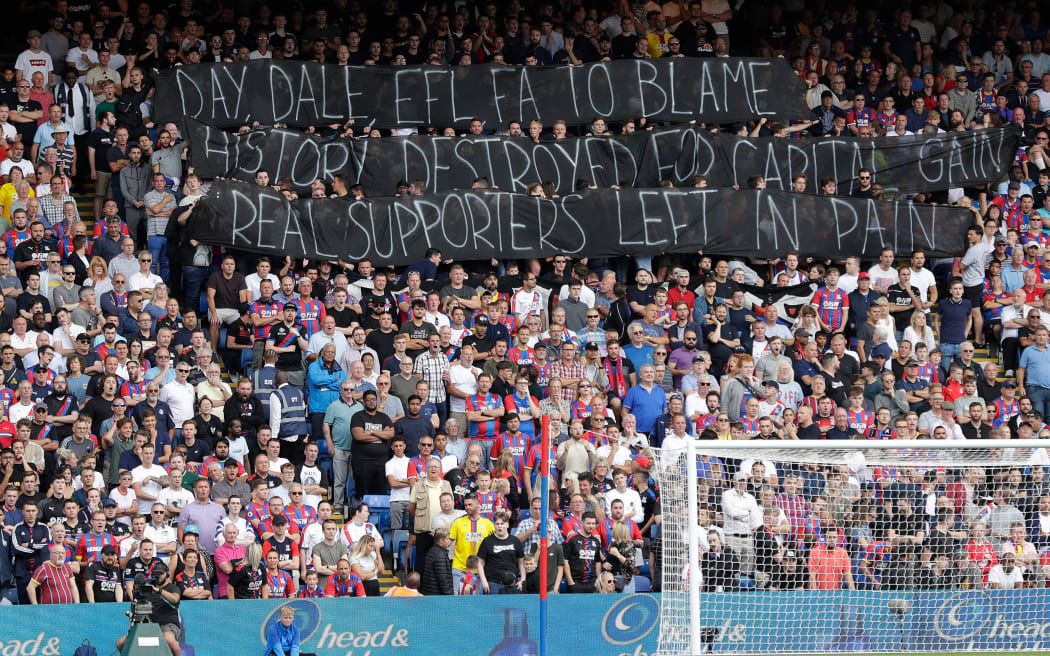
[[164, 598]]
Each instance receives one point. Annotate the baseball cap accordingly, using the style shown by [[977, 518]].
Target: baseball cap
[[591, 346], [740, 476], [290, 306], [802, 332], [881, 351], [1009, 383], [60, 128], [1001, 240], [33, 34], [113, 219], [191, 528], [40, 406], [772, 383], [863, 275], [947, 405], [911, 363], [644, 462], [790, 553], [699, 358], [108, 503], [482, 320], [83, 337], [109, 549]]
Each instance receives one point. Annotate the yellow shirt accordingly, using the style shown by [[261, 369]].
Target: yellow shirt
[[7, 198], [467, 534]]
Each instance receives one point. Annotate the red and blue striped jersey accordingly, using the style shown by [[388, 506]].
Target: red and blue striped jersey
[[256, 511], [750, 425], [830, 306], [579, 410], [307, 593], [406, 298], [281, 586], [876, 554], [860, 420], [521, 356], [265, 310], [351, 587], [311, 313], [266, 526], [1006, 411], [570, 526], [533, 463], [543, 375], [302, 516], [516, 444], [417, 467], [468, 584], [484, 430], [861, 118], [14, 238], [89, 546], [888, 119], [928, 372], [703, 421], [875, 433], [490, 503], [605, 530], [520, 405], [133, 389]]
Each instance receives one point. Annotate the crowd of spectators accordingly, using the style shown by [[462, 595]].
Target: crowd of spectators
[[124, 443]]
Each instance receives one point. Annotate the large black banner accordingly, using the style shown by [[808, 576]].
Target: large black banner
[[302, 94], [642, 159], [604, 222]]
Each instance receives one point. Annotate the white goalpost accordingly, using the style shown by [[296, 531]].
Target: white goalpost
[[864, 546]]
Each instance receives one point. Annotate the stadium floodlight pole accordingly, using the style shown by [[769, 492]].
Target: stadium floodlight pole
[[545, 440], [695, 641]]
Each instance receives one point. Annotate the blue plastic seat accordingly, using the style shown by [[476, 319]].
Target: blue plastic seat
[[642, 584]]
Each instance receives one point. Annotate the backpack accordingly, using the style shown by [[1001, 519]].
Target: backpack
[[86, 649]]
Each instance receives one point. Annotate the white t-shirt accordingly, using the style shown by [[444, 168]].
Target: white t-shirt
[[465, 381], [398, 468], [253, 281], [30, 62], [179, 498], [124, 502], [139, 281], [238, 448], [882, 278], [153, 488], [1006, 581], [179, 398], [923, 279]]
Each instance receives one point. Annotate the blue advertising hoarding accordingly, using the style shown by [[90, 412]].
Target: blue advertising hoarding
[[591, 625]]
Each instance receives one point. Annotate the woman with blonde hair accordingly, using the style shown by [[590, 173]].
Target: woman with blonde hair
[[98, 277], [367, 563], [918, 330], [622, 551]]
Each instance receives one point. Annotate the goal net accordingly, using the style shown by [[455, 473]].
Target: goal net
[[810, 547]]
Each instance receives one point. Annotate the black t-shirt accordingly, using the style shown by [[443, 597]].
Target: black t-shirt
[[164, 612], [584, 555], [377, 422], [421, 331], [899, 298], [500, 556], [199, 450], [382, 343], [344, 318], [641, 296], [101, 140], [246, 582], [27, 130], [137, 566], [480, 344], [282, 336], [104, 581]]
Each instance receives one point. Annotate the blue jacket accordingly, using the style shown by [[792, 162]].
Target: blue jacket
[[323, 384], [282, 640]]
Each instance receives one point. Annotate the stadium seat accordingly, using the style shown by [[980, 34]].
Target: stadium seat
[[397, 545], [642, 584], [378, 510], [525, 514]]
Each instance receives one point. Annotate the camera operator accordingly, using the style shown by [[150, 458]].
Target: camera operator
[[164, 598]]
